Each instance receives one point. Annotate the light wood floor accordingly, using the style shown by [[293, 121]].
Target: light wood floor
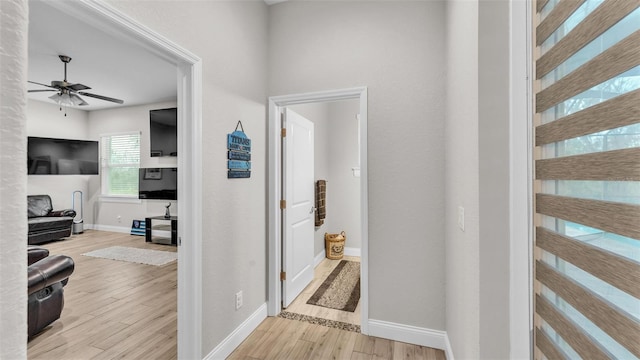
[[300, 306], [278, 338], [113, 309]]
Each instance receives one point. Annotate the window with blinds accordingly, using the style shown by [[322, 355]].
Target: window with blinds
[[587, 179], [120, 160]]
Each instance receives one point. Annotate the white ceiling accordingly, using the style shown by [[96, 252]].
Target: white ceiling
[[110, 66]]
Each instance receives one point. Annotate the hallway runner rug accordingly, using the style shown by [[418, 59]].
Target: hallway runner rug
[[320, 321], [341, 289], [135, 255]]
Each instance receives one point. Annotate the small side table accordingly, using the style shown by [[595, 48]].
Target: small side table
[[174, 228]]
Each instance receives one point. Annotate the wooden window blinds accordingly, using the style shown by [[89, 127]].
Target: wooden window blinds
[[587, 179]]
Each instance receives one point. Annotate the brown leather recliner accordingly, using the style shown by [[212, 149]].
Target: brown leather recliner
[[46, 224], [47, 275]]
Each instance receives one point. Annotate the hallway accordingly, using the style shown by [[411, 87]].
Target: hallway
[[300, 306], [278, 338]]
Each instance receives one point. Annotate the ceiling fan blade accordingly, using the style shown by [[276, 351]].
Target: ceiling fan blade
[[77, 100], [40, 90], [37, 83], [102, 97], [78, 87]]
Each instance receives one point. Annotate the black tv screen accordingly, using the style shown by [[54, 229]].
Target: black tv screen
[[163, 130], [49, 156], [158, 183]]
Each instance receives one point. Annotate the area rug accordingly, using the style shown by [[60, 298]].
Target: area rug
[[320, 321], [341, 289], [135, 255]]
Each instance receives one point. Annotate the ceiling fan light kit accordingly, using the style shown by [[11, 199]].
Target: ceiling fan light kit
[[67, 99], [67, 93]]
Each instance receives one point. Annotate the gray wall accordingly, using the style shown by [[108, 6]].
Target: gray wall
[[462, 247], [477, 275], [343, 192], [231, 39], [397, 50], [493, 146]]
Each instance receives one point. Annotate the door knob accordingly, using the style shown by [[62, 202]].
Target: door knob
[[312, 210]]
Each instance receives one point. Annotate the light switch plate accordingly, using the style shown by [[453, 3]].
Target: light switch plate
[[461, 218]]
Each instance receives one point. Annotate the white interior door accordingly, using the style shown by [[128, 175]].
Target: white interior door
[[298, 213]]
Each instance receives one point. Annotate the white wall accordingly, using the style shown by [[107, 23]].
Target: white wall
[[231, 39], [13, 179], [46, 120], [106, 214], [395, 48]]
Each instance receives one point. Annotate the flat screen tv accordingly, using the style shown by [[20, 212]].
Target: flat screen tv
[[158, 183], [49, 156], [163, 130]]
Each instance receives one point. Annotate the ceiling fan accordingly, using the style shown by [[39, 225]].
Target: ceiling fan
[[67, 93]]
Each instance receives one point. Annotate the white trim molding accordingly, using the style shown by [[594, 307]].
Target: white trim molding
[[99, 227], [231, 342], [520, 183], [349, 251], [448, 350], [124, 229], [319, 257], [436, 339]]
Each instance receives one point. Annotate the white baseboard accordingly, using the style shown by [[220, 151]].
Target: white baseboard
[[124, 229], [348, 251], [410, 334], [231, 342], [119, 229], [318, 259], [448, 351]]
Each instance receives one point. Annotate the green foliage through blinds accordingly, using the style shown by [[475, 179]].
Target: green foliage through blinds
[[120, 163]]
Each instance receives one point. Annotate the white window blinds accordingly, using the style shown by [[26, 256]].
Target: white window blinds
[[587, 179], [120, 162]]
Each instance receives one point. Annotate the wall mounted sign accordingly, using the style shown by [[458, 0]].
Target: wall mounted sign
[[238, 154]]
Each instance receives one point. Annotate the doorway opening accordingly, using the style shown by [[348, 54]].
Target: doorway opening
[[189, 80], [333, 294], [349, 183]]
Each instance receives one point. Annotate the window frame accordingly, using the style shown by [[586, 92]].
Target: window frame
[[104, 170]]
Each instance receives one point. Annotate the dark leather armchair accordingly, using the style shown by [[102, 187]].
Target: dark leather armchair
[[47, 275], [45, 224]]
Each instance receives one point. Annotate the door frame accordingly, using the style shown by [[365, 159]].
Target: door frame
[[276, 103], [189, 81]]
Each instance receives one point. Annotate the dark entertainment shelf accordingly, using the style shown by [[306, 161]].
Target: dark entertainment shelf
[[174, 228]]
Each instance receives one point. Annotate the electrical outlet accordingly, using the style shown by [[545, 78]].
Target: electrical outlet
[[461, 218], [119, 218], [238, 300]]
